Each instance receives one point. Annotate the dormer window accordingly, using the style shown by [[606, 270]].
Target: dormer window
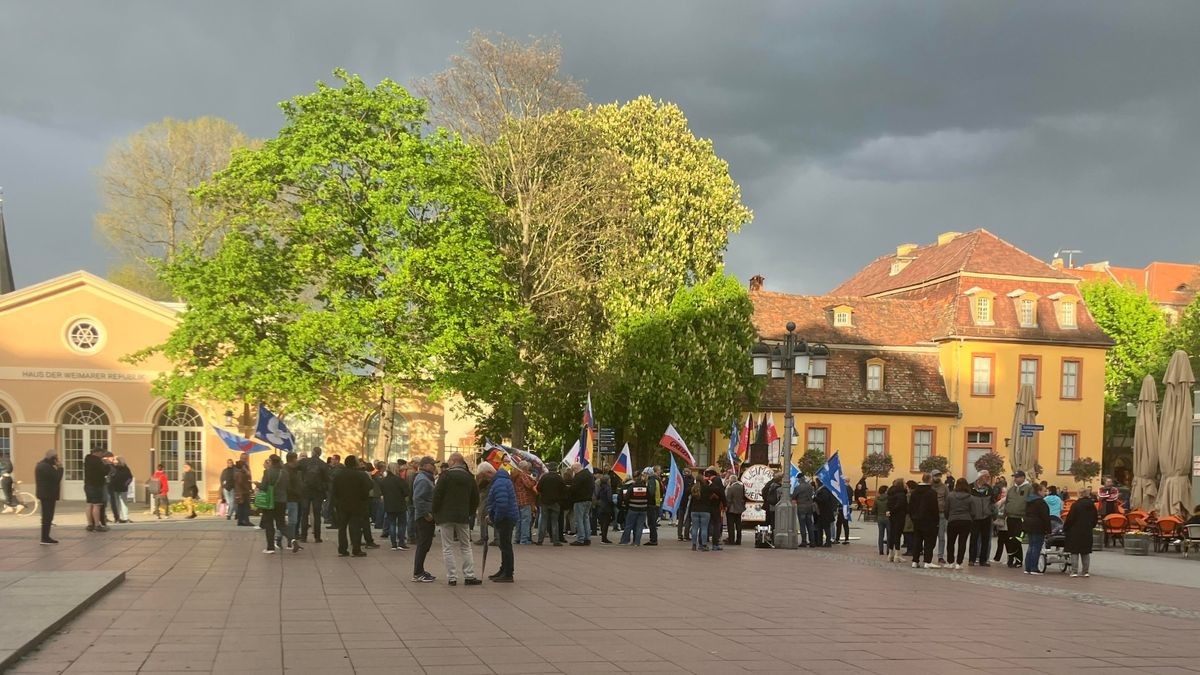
[[875, 375], [983, 310], [982, 306], [1067, 310], [843, 316], [1026, 306]]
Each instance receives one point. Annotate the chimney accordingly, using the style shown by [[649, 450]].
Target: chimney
[[947, 237], [1057, 263], [904, 249], [756, 282]]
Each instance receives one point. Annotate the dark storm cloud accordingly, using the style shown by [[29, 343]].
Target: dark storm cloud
[[850, 126]]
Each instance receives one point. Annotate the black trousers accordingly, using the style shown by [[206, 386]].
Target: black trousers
[[47, 518], [424, 530], [504, 535], [734, 521], [652, 515], [273, 519], [350, 527], [958, 532], [924, 540], [895, 531], [310, 505], [605, 520]]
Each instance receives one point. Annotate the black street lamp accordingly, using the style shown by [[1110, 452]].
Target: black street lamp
[[795, 357]]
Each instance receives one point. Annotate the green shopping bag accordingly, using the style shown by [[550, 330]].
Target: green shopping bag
[[264, 499]]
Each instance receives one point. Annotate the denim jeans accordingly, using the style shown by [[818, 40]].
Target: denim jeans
[[395, 526], [293, 519], [1036, 539], [524, 521], [456, 550], [806, 529], [549, 522], [583, 520], [941, 538], [882, 524], [700, 529], [412, 531], [981, 540], [230, 505], [635, 522]]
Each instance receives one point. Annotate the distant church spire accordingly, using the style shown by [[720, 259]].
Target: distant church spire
[[6, 275]]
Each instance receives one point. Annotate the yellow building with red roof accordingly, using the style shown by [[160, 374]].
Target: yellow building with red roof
[[929, 346]]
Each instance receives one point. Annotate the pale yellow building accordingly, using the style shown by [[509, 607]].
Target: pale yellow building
[[929, 346], [64, 384]]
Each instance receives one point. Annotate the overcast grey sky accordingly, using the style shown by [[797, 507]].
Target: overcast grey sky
[[851, 126]]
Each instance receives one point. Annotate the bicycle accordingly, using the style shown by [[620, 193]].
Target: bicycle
[[22, 504]]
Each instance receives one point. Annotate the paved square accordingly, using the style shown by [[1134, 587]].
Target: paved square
[[200, 597]]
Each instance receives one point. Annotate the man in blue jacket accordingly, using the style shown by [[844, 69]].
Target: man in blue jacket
[[502, 511]]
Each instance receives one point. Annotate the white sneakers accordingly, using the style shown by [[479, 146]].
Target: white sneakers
[[932, 566], [916, 565], [958, 566]]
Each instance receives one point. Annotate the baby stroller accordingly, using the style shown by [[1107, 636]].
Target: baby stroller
[[1053, 552]]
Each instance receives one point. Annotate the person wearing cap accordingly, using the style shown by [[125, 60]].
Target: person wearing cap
[[982, 512], [1014, 513], [942, 490], [802, 498]]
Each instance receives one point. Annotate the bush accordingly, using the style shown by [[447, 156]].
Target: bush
[[934, 463], [811, 462], [201, 507], [1085, 470], [877, 465], [992, 462]]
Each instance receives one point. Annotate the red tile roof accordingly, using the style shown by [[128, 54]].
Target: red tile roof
[[978, 251], [1166, 283], [912, 385], [874, 321]]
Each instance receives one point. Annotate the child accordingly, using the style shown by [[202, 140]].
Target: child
[[158, 482]]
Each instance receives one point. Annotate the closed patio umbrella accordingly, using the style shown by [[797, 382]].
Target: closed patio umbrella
[[1144, 494], [1175, 438], [1025, 413]]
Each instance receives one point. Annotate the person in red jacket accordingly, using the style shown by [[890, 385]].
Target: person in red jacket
[[159, 480]]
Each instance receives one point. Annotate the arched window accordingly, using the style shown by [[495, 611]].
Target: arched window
[[308, 431], [180, 440], [84, 429], [5, 437], [399, 448]]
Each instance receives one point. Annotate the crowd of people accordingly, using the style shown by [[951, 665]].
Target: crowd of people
[[959, 519]]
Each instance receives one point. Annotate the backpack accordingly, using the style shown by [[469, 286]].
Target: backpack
[[770, 493], [314, 475]]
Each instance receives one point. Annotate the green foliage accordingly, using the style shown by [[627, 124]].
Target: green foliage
[[357, 258], [934, 462], [1085, 470], [1185, 334], [685, 364], [811, 461], [877, 465], [1138, 327], [992, 462], [202, 507], [141, 278]]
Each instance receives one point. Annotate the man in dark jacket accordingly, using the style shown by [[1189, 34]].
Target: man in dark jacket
[[923, 509], [422, 501], [550, 489], [314, 473], [395, 506], [351, 495], [1036, 525], [227, 485], [683, 518], [1078, 532], [48, 476], [95, 474], [502, 511], [455, 498], [582, 488], [982, 515], [826, 514], [803, 498]]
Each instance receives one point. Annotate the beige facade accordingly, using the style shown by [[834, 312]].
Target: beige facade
[[64, 384]]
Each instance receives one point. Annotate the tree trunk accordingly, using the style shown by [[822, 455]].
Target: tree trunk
[[387, 409]]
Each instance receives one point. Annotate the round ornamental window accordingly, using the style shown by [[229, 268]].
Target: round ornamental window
[[84, 336]]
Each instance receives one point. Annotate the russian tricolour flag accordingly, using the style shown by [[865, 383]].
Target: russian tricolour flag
[[237, 443], [621, 467]]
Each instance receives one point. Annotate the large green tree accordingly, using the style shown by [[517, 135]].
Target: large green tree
[[686, 363], [1138, 327], [1185, 334], [358, 263], [607, 212]]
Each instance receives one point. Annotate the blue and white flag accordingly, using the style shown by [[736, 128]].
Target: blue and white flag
[[734, 441], [237, 443], [272, 430], [674, 493], [831, 477], [795, 475]]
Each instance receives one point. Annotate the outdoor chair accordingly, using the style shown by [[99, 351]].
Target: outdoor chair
[[1168, 530], [1191, 538], [1114, 529]]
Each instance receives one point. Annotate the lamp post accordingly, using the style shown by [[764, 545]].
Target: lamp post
[[794, 357]]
